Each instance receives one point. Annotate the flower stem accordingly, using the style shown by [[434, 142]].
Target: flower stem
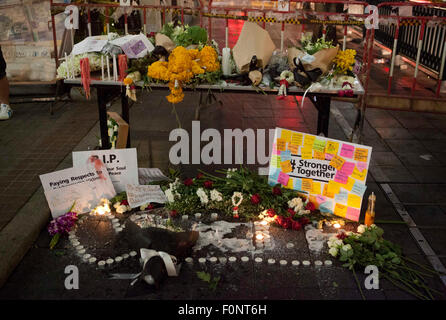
[[174, 110], [359, 285]]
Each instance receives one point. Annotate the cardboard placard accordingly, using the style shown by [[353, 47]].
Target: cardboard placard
[[331, 172], [122, 164], [123, 130], [83, 185], [138, 195]]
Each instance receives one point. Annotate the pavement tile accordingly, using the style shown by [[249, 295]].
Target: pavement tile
[[427, 215], [384, 158], [391, 174], [412, 193], [407, 145], [394, 133], [417, 122], [384, 122], [426, 174], [415, 159], [427, 133]]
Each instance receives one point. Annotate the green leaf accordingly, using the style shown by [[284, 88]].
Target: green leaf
[[54, 240], [206, 277]]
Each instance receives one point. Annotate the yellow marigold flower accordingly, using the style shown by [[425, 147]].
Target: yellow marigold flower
[[128, 81]]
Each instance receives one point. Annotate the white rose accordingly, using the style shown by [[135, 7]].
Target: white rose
[[338, 243], [169, 195], [121, 209], [346, 247], [216, 196], [333, 251], [361, 228]]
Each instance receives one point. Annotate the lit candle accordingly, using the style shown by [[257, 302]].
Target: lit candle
[[109, 261], [79, 247], [202, 261], [118, 259], [92, 260], [226, 61], [306, 263], [337, 225], [271, 261], [232, 259], [197, 215], [295, 263], [258, 260], [213, 259], [115, 69], [75, 243], [214, 216], [283, 263], [244, 259], [289, 245], [189, 260], [132, 254], [81, 252], [125, 256], [318, 263], [259, 237], [328, 263], [108, 68], [185, 217], [86, 256], [101, 264]]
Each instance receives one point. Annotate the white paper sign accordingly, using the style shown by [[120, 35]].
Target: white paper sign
[[139, 195], [148, 175], [89, 44], [283, 5], [83, 185], [134, 46], [122, 164]]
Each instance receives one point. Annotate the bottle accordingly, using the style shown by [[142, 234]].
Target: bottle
[[370, 213]]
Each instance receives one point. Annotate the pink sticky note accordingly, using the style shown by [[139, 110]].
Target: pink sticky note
[[352, 214], [347, 151], [348, 167], [320, 199], [341, 177], [361, 165], [275, 151], [329, 156], [283, 178]]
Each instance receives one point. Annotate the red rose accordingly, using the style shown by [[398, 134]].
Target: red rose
[[277, 191], [188, 182], [200, 175], [208, 184], [255, 199], [124, 203], [310, 206], [150, 207], [341, 235], [284, 222], [291, 212], [271, 213], [304, 221], [173, 213], [295, 225]]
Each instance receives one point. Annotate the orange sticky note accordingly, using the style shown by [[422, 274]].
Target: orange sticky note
[[296, 138], [332, 147], [337, 162], [307, 185], [354, 201], [306, 153], [349, 184], [318, 155], [293, 148], [281, 144], [333, 187], [360, 175], [286, 135], [309, 141], [361, 154], [316, 188], [340, 210], [286, 166], [290, 184], [326, 193]]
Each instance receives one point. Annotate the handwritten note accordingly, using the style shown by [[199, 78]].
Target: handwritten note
[[290, 183], [347, 151], [298, 184], [333, 187], [318, 155], [326, 193], [309, 141], [332, 147], [286, 155], [348, 167], [294, 149], [358, 188], [283, 178], [296, 138], [354, 201], [319, 145], [341, 177], [340, 210], [352, 214], [281, 145], [341, 197], [307, 185], [360, 175], [138, 195], [361, 154], [286, 166], [286, 135], [306, 153], [337, 162], [316, 188]]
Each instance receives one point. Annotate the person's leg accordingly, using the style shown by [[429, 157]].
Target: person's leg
[[4, 91]]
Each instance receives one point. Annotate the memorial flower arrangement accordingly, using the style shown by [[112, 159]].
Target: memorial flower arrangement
[[61, 225], [368, 247], [73, 64], [185, 35], [182, 66], [344, 62], [240, 194]]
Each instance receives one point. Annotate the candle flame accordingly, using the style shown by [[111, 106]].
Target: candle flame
[[263, 222], [102, 209], [337, 225], [259, 236]]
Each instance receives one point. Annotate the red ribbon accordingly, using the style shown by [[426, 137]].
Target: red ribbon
[[285, 82]]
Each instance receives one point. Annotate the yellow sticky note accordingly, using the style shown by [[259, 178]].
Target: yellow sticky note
[[361, 154], [360, 175], [293, 148], [333, 187], [290, 184], [307, 184], [309, 141], [326, 193], [318, 155], [296, 138], [286, 135], [354, 201], [340, 210], [332, 147], [286, 166], [316, 188], [349, 184], [306, 153], [337, 162], [281, 145]]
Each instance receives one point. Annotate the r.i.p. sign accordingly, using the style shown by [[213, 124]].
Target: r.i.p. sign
[[331, 172]]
